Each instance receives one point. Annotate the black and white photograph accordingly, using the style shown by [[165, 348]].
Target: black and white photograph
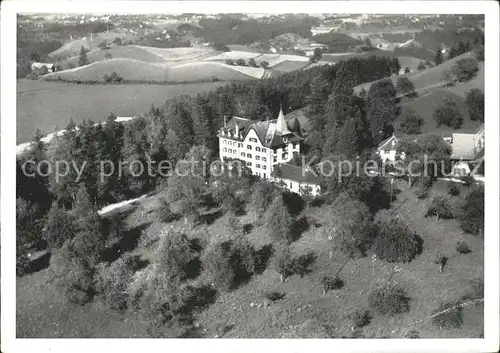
[[250, 170]]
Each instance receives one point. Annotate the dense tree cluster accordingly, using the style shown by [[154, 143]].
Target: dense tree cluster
[[448, 113], [475, 104]]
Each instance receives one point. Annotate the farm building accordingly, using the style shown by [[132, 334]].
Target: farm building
[[387, 149], [297, 179], [465, 148], [38, 68]]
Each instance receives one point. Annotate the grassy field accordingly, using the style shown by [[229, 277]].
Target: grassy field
[[50, 105], [117, 51], [305, 311], [140, 71], [73, 47], [425, 105], [431, 77]]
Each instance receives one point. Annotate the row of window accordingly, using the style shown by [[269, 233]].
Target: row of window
[[263, 166], [228, 142], [229, 151], [233, 143]]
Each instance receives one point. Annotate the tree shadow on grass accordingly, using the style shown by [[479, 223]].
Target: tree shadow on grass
[[262, 257], [200, 297], [303, 264], [210, 217], [247, 228], [127, 242], [38, 264], [420, 244], [194, 268], [294, 203], [299, 226]]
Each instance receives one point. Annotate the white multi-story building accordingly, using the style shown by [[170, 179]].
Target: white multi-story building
[[262, 145]]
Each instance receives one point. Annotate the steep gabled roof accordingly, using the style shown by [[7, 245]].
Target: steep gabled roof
[[266, 131], [386, 143]]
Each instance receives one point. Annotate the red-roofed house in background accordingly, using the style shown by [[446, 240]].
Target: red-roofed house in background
[[263, 145]]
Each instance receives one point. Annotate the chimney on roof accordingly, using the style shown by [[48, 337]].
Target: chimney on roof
[[225, 120], [237, 130]]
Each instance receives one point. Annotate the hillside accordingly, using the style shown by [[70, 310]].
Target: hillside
[[425, 105], [129, 69], [73, 47], [135, 70], [431, 77]]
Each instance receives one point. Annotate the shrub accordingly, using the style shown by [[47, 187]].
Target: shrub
[[465, 69], [472, 215], [388, 299], [280, 221], [421, 192], [353, 226], [73, 274], [112, 281], [240, 62], [102, 45], [217, 262], [22, 264], [252, 62], [274, 295], [360, 318], [421, 66], [453, 189], [475, 104], [405, 86], [413, 334], [450, 318], [165, 303], [462, 247], [331, 283], [60, 227], [395, 241], [440, 207], [441, 260], [412, 123], [229, 263], [174, 254], [164, 212], [117, 41], [284, 262], [447, 113], [264, 64], [407, 70], [229, 62]]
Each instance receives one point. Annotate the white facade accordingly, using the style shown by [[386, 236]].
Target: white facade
[[387, 149], [299, 187], [262, 146], [249, 150]]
